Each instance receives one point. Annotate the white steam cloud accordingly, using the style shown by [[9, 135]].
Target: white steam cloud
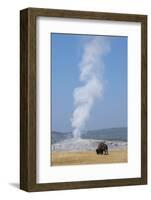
[[91, 70]]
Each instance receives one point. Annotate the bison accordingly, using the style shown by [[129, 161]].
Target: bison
[[102, 148]]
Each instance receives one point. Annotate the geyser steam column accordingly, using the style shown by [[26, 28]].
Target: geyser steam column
[[91, 71]]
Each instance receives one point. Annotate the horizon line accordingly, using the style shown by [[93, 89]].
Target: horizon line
[[90, 129]]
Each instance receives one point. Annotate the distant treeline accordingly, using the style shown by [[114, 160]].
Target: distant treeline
[[102, 134]]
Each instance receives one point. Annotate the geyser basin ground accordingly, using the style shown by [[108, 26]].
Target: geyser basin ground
[[83, 151], [86, 145]]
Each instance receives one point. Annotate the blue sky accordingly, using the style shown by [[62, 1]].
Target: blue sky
[[108, 111]]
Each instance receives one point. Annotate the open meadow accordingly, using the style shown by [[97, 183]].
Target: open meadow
[[87, 157]]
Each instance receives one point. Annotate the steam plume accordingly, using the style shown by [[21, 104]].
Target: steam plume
[[91, 70]]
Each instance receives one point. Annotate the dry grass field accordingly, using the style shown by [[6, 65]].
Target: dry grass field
[[89, 157]]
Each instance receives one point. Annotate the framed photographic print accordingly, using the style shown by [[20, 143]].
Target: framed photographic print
[[83, 99]]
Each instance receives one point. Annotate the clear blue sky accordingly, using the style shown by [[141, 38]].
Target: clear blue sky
[[107, 112]]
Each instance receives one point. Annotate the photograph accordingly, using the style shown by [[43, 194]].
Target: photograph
[[88, 99]]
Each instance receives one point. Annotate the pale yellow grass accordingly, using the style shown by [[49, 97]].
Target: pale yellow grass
[[78, 158]]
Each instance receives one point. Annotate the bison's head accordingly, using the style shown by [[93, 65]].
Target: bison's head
[[99, 151]]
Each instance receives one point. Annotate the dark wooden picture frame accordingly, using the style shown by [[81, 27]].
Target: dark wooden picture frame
[[28, 99]]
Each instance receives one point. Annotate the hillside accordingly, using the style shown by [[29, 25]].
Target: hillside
[[117, 134]]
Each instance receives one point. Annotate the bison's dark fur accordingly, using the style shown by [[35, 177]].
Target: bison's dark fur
[[102, 148]]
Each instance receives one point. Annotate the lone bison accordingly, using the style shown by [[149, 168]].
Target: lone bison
[[102, 148]]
